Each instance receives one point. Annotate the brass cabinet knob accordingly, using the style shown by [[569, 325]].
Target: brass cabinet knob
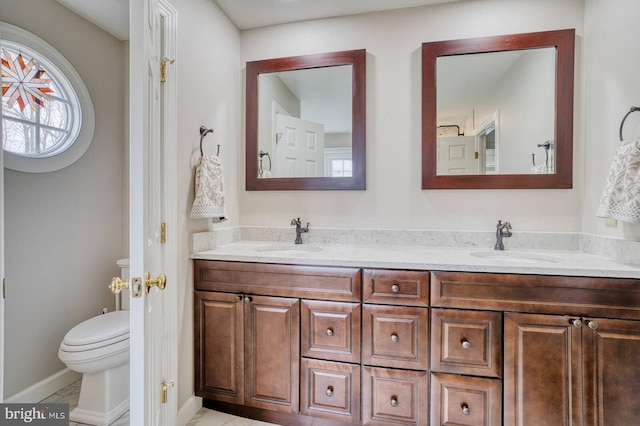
[[395, 288], [576, 322], [465, 344], [394, 337], [329, 332], [247, 300], [238, 298], [329, 391], [394, 401], [592, 325], [465, 409]]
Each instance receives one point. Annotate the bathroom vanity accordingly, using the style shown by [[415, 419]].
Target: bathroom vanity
[[295, 343]]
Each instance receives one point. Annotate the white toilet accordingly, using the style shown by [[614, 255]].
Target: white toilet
[[99, 349]]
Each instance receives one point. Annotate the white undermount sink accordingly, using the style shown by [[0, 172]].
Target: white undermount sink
[[289, 249], [517, 257]]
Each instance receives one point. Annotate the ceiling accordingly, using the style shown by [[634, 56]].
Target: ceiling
[[113, 15]]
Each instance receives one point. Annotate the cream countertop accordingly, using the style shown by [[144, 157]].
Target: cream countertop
[[540, 262]]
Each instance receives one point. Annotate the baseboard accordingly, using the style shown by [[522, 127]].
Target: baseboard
[[189, 409], [45, 388]]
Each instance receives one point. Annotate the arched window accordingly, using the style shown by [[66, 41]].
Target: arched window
[[47, 114]]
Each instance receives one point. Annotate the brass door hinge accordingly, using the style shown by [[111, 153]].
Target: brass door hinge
[[163, 69], [165, 387], [4, 288], [163, 233], [476, 155]]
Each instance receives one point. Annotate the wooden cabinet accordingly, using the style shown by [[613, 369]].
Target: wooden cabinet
[[254, 341], [565, 370]]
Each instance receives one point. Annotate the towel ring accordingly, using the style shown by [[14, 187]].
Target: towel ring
[[633, 109], [204, 132]]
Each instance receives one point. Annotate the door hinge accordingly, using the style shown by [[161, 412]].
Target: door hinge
[[163, 233], [165, 387], [4, 288], [163, 69], [476, 155]]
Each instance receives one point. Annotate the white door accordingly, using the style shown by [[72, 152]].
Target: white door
[[457, 155], [299, 147], [153, 326]]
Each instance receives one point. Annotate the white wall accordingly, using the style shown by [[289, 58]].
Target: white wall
[[208, 72], [393, 198], [63, 229], [612, 86]]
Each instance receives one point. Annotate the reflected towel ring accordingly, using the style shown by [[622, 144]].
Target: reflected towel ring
[[204, 132], [633, 109]]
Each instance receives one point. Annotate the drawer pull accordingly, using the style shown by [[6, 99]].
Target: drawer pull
[[394, 401], [576, 323], [394, 337], [329, 391], [329, 331], [465, 409], [466, 344], [592, 325], [395, 288]]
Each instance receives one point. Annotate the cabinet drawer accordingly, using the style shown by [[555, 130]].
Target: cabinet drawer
[[394, 397], [395, 336], [330, 390], [395, 287], [331, 330], [466, 342], [465, 401]]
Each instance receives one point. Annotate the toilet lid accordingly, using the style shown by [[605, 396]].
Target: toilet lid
[[110, 326]]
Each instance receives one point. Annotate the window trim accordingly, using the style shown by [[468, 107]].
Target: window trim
[[86, 115]]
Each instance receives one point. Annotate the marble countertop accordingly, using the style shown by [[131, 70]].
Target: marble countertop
[[541, 262]]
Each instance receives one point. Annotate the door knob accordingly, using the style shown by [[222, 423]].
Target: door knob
[[160, 282], [117, 285]]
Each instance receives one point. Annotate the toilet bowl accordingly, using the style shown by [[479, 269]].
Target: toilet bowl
[[99, 349]]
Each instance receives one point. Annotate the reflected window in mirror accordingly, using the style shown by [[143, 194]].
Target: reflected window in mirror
[[498, 111], [306, 122]]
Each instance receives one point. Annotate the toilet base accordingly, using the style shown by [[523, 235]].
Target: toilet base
[[104, 397]]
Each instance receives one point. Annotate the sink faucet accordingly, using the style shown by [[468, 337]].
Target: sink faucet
[[299, 229], [503, 230]]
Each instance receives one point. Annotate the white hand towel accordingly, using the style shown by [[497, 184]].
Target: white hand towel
[[209, 201], [621, 197]]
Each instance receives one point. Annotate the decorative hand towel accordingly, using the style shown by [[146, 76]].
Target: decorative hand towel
[[621, 197], [209, 200]]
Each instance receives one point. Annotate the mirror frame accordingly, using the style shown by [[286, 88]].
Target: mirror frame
[[564, 42], [356, 58]]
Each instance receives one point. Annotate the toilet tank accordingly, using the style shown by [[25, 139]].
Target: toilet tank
[[122, 298]]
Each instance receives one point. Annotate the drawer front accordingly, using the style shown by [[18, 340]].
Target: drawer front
[[331, 330], [395, 336], [465, 401], [409, 288], [314, 282], [466, 342], [330, 390], [394, 397]]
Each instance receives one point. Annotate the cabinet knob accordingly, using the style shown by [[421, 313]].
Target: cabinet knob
[[576, 322], [465, 409], [592, 325], [247, 300], [465, 344], [394, 401], [395, 288], [329, 332], [394, 337], [329, 391], [238, 298]]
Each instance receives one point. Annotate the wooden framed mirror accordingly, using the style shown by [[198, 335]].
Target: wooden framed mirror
[[306, 121], [497, 112]]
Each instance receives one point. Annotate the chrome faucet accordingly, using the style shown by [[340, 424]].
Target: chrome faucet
[[503, 230], [299, 229]]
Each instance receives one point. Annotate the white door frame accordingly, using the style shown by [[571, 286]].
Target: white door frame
[[2, 282]]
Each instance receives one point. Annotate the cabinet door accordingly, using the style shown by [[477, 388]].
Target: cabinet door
[[612, 372], [272, 353], [219, 346], [542, 371]]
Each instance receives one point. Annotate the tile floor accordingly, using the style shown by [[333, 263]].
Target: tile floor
[[204, 417]]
